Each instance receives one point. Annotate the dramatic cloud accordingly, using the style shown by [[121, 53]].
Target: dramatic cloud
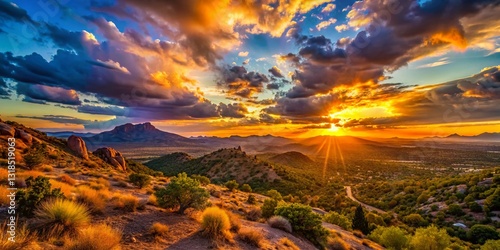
[[4, 89], [47, 93], [237, 81], [326, 23], [235, 110], [276, 72]]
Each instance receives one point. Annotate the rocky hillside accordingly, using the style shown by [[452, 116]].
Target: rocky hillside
[[223, 164], [292, 158]]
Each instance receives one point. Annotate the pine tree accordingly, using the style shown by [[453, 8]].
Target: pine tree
[[359, 221]]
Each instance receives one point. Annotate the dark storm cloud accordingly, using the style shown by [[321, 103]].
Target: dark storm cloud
[[4, 89], [234, 110], [11, 12], [49, 94], [237, 81], [102, 110]]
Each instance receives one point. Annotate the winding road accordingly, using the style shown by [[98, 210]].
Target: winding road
[[368, 207]]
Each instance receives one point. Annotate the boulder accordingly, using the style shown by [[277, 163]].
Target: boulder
[[27, 138], [112, 157], [77, 145], [6, 129]]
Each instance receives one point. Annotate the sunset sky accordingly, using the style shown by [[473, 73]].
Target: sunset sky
[[375, 68]]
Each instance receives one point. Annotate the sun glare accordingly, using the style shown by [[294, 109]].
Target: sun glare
[[334, 128]]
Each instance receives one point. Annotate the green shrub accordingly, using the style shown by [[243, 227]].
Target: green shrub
[[36, 191], [430, 238], [231, 185], [414, 220], [475, 207], [273, 194], [35, 155], [246, 188], [268, 207], [304, 221], [338, 219], [202, 179], [140, 180], [57, 217], [390, 237], [182, 192], [493, 201], [491, 245], [481, 233], [455, 209]]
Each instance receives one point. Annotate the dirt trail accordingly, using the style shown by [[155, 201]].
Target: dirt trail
[[368, 207]]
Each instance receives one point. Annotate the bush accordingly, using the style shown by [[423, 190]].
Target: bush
[[430, 238], [288, 244], [67, 179], [202, 179], [35, 155], [57, 217], [414, 220], [246, 188], [231, 185], [159, 229], [251, 199], [140, 180], [304, 221], [126, 202], [280, 223], [491, 245], [475, 207], [390, 237], [252, 237], [254, 214], [268, 207], [273, 194], [95, 200], [493, 201], [37, 190], [182, 192], [481, 233], [215, 223], [338, 219], [96, 237], [455, 209]]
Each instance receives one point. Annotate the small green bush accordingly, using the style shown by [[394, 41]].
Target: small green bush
[[140, 180], [338, 219], [231, 185], [36, 191], [202, 179], [182, 193], [481, 233], [268, 207], [304, 221], [251, 199], [246, 188]]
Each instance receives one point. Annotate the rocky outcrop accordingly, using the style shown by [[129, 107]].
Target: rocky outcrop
[[6, 129], [77, 145], [27, 138], [111, 156]]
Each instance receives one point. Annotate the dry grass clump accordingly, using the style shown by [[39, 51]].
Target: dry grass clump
[[96, 200], [287, 244], [24, 238], [235, 221], [29, 173], [66, 189], [215, 224], [4, 199], [103, 182], [95, 237], [58, 217], [126, 202], [46, 168], [152, 200], [159, 229], [280, 222], [337, 244], [67, 179], [252, 237], [254, 214], [3, 175]]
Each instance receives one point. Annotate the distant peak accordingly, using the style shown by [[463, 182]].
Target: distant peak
[[147, 126]]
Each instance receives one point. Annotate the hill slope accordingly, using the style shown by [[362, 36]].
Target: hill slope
[[292, 158]]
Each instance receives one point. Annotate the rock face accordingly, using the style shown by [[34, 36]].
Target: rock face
[[77, 145], [6, 129], [24, 136], [111, 156]]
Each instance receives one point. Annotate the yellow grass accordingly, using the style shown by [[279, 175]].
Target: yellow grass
[[126, 202], [252, 237], [60, 217], [152, 200], [215, 223], [159, 229], [24, 238], [3, 174], [66, 189], [67, 179], [4, 200], [28, 173], [96, 237], [96, 200], [287, 244]]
